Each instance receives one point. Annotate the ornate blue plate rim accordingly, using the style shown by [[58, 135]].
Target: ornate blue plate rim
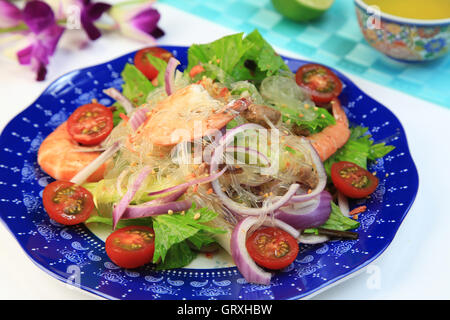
[[76, 256]]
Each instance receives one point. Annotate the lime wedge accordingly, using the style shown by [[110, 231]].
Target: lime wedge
[[302, 10]]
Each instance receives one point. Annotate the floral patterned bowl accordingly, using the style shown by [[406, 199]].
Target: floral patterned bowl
[[409, 40]]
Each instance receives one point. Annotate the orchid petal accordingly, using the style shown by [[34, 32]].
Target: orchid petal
[[146, 21], [25, 55], [90, 13], [38, 16], [157, 33], [10, 15], [95, 10], [89, 27], [138, 21]]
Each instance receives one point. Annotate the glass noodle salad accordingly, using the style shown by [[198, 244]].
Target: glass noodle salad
[[235, 151]]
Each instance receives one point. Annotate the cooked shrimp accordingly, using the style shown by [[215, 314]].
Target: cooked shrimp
[[187, 114], [333, 137], [59, 156]]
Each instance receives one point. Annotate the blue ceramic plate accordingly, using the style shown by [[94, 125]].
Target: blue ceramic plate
[[77, 256]]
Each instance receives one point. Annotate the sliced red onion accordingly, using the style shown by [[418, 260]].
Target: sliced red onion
[[141, 211], [211, 177], [247, 267], [81, 176], [118, 96], [138, 118], [169, 76], [322, 175], [262, 157], [87, 149], [282, 225], [120, 208], [312, 238], [302, 217], [343, 204], [230, 134], [119, 182], [229, 203], [169, 198]]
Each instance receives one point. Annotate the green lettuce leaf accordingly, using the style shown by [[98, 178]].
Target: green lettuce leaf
[[225, 52], [116, 113], [136, 86], [235, 58], [266, 61], [159, 65], [291, 115]]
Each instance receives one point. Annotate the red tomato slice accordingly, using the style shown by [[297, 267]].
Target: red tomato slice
[[143, 64], [90, 124], [272, 248], [320, 82], [352, 180], [131, 247], [67, 203]]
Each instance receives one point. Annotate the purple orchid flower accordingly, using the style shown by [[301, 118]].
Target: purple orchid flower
[[44, 35], [10, 15], [90, 12], [137, 20], [86, 13]]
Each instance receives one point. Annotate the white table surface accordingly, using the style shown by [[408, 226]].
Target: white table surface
[[415, 266]]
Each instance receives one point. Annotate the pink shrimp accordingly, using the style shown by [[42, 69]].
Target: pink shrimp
[[187, 114], [59, 156], [330, 139]]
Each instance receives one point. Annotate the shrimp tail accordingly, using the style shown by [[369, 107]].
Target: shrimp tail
[[333, 137]]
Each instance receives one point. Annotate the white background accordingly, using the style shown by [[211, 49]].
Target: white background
[[415, 266]]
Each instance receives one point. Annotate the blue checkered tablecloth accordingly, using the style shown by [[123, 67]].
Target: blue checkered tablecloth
[[335, 40]]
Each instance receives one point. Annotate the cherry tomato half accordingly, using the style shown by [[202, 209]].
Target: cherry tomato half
[[272, 248], [90, 124], [320, 82], [352, 180], [143, 64], [131, 247], [67, 203]]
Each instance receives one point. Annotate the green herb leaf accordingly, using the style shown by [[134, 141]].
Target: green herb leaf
[[173, 229], [201, 239], [178, 256], [336, 221], [358, 149]]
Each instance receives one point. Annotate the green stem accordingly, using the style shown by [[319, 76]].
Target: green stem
[[17, 28], [22, 27], [124, 3]]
